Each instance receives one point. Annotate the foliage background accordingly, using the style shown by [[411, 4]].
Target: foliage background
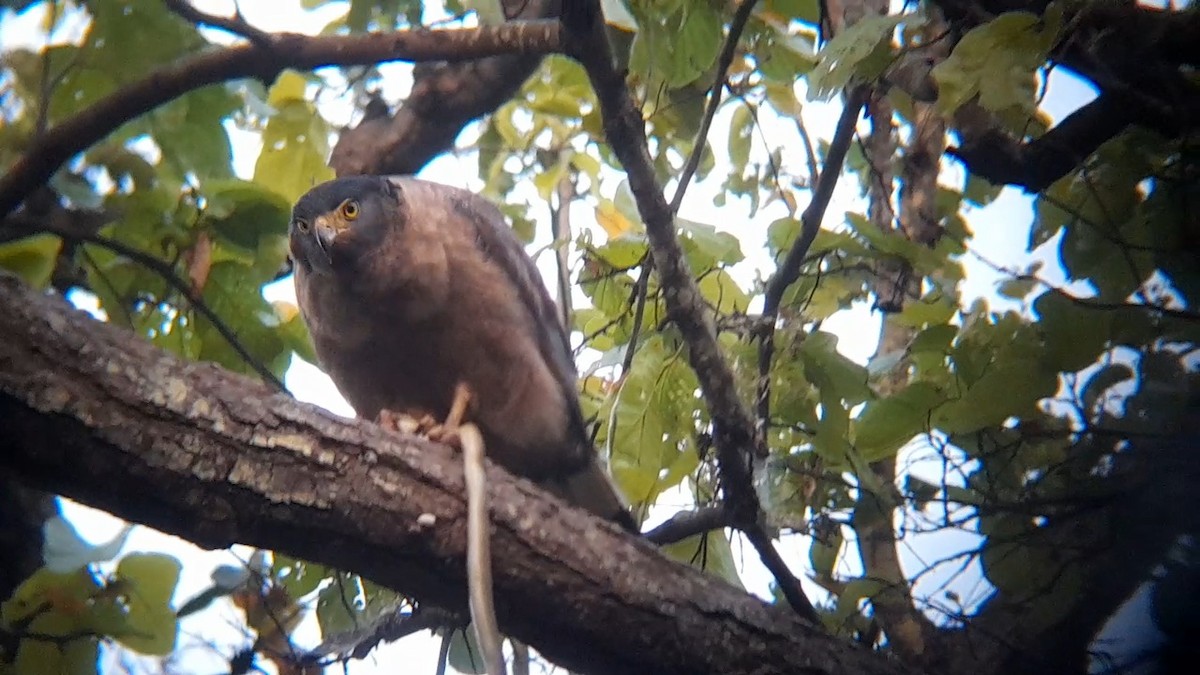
[[983, 419]]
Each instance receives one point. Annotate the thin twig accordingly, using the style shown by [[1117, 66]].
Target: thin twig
[[641, 288], [810, 225], [789, 584], [736, 26], [560, 230], [236, 24], [733, 426], [168, 275]]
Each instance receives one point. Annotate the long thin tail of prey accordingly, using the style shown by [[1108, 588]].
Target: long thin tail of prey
[[591, 488]]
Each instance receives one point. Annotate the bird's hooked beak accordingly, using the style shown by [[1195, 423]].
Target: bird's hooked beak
[[326, 228]]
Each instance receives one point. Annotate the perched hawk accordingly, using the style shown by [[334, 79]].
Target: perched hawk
[[410, 288]]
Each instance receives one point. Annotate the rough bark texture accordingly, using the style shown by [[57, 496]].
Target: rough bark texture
[[98, 415]]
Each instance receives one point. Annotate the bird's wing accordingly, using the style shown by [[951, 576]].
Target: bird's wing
[[498, 243]]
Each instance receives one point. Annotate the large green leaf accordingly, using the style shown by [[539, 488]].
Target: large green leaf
[[888, 423], [295, 141], [151, 579], [710, 552], [997, 61], [853, 54]]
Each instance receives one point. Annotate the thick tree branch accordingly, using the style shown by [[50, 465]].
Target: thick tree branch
[[218, 458], [50, 151], [733, 427]]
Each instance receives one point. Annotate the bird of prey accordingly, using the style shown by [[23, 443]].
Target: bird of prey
[[410, 290]]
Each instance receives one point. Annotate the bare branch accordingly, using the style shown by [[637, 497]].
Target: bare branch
[[235, 25], [690, 523], [736, 26], [48, 153]]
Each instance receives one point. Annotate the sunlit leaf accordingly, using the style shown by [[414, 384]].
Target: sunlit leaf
[[32, 258]]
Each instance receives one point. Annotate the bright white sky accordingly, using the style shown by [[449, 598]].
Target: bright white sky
[[1000, 232]]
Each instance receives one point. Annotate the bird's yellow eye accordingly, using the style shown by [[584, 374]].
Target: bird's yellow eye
[[349, 209]]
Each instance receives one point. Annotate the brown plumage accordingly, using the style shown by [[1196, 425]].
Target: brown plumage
[[409, 288]]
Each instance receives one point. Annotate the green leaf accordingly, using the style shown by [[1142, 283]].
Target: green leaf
[[827, 367], [710, 552], [465, 655], [721, 291], [706, 247], [337, 605], [806, 11], [1074, 336], [1007, 388], [782, 58], [236, 297], [980, 191], [1017, 288], [997, 61], [32, 258], [45, 586], [243, 214], [675, 44], [935, 338], [887, 424], [191, 134], [843, 58], [854, 592], [37, 657], [934, 310], [823, 555], [295, 142], [152, 578], [741, 133], [299, 577]]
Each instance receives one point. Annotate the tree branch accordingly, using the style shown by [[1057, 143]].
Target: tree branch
[[625, 130], [444, 98], [217, 459], [165, 271], [810, 225], [736, 26], [234, 25], [1133, 54], [49, 152]]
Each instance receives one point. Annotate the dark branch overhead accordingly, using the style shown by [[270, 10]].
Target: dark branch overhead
[[51, 151]]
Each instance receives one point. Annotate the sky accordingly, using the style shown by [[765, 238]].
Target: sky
[[1000, 229]]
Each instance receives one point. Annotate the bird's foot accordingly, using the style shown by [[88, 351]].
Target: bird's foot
[[422, 423]]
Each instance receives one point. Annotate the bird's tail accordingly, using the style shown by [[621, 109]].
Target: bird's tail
[[591, 488]]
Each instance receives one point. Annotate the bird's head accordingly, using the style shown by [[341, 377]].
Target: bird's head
[[338, 222]]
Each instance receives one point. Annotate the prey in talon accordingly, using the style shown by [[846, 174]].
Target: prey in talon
[[425, 424]]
